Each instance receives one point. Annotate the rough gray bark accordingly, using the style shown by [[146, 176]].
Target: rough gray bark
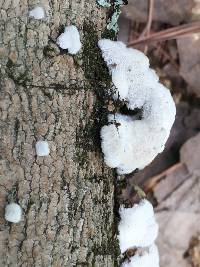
[[67, 197]]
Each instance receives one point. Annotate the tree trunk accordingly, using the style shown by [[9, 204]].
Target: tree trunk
[[46, 94]]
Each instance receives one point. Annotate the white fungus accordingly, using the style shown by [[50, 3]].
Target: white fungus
[[42, 148], [13, 213], [150, 258], [70, 40], [37, 13], [137, 227], [129, 143]]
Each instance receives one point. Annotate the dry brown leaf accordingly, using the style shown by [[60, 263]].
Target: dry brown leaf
[[189, 54], [172, 12]]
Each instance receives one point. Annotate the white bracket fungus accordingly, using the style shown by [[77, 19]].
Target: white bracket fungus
[[70, 40], [37, 13], [149, 258], [137, 227], [129, 143], [42, 148], [13, 213]]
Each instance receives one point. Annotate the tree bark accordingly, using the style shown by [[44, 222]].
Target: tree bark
[[46, 94]]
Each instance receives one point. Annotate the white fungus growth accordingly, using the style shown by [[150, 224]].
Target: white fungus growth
[[13, 213], [70, 40], [137, 227], [37, 13], [42, 148], [129, 143], [150, 258]]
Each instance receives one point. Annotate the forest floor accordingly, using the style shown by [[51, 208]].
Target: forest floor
[[172, 179]]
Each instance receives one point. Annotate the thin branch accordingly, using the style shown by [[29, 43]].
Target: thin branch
[[149, 23], [172, 33], [150, 17]]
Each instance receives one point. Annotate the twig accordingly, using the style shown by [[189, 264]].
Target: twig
[[150, 17], [172, 33], [147, 29]]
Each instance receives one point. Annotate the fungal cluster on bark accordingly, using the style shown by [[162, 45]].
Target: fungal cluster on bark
[[42, 148], [127, 142], [134, 143], [70, 40], [13, 213], [131, 142], [37, 12], [148, 258], [138, 230]]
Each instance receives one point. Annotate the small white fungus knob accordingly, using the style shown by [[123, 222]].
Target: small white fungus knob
[[37, 13], [70, 39], [138, 227], [42, 148], [13, 213]]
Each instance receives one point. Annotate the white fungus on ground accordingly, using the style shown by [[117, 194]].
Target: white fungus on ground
[[149, 258], [129, 143], [37, 12], [70, 40], [42, 148], [137, 227], [13, 213]]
